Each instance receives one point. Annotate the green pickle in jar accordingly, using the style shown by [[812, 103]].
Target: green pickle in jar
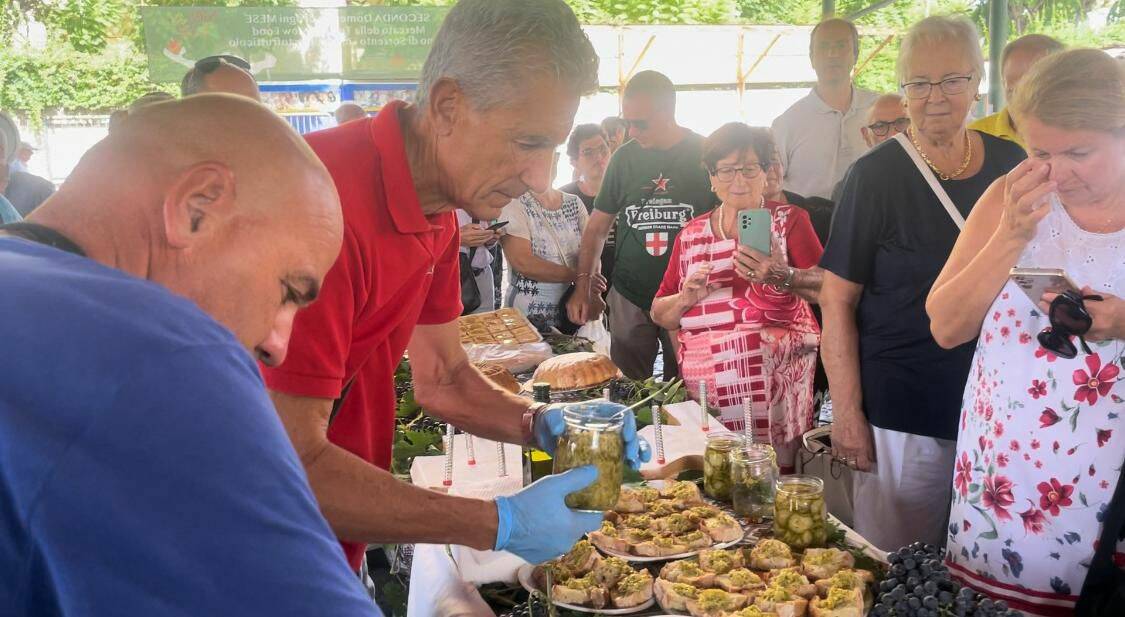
[[593, 437], [753, 480], [716, 465], [800, 519]]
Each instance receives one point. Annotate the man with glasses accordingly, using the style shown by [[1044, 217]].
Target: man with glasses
[[653, 186], [819, 136], [886, 118], [225, 73]]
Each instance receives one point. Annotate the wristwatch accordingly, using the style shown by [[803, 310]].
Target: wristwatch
[[528, 422]]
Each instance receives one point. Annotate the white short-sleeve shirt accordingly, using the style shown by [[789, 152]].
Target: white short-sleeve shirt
[[817, 144]]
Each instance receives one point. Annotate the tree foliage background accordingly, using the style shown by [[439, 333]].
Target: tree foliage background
[[93, 60]]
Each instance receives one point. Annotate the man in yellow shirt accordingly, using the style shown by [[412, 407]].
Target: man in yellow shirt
[[1015, 60]]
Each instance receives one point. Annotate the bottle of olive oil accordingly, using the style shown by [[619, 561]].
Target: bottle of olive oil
[[537, 463]]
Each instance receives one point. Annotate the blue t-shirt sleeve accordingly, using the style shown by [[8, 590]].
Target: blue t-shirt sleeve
[[185, 497]]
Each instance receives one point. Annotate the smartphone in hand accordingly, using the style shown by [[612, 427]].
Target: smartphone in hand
[[1037, 281], [755, 229], [497, 226]]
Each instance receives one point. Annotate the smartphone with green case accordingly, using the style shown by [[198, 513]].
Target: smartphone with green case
[[755, 229]]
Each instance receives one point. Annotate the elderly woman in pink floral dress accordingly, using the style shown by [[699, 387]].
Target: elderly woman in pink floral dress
[[743, 318], [1042, 437]]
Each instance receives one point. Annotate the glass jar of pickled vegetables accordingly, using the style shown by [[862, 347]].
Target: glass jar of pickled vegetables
[[593, 437], [716, 464], [753, 475], [799, 517]]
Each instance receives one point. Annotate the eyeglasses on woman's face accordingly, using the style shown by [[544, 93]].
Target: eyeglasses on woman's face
[[949, 86], [748, 172], [881, 127], [595, 152]]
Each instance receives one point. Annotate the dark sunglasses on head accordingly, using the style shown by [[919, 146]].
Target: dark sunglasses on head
[[210, 63], [882, 128], [1069, 318]]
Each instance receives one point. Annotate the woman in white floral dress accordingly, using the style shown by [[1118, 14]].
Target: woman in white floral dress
[[1042, 438]]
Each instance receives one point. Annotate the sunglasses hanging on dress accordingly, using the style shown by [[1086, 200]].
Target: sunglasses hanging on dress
[[1069, 318]]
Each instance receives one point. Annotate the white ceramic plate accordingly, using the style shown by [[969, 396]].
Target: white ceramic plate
[[524, 575], [691, 553]]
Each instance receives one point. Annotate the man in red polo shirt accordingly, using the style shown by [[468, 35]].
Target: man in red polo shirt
[[497, 95]]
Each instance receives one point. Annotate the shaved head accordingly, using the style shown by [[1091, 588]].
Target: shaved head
[[348, 112], [887, 108], [216, 198], [225, 77]]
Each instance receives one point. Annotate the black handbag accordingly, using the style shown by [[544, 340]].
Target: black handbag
[[1103, 592], [470, 292]]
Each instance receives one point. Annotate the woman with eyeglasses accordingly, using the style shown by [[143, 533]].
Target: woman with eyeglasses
[[1043, 419], [742, 316], [896, 393]]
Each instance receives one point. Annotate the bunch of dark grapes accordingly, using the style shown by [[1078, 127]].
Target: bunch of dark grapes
[[535, 606], [429, 424], [918, 585]]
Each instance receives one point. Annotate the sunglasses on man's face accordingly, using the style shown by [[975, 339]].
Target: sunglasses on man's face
[[637, 125], [882, 128], [1069, 318], [210, 63]]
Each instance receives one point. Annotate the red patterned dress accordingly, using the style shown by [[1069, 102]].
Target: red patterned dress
[[749, 340], [1041, 439]]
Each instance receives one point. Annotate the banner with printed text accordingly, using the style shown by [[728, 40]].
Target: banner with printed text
[[294, 44]]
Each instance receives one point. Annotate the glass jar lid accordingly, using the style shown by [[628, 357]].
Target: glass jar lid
[[752, 454], [798, 484], [596, 415], [724, 440]]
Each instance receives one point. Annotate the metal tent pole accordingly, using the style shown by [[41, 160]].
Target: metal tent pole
[[997, 37]]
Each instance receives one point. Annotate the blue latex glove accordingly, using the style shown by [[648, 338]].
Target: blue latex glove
[[550, 425], [536, 525]]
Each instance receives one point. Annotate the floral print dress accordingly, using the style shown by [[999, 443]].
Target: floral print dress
[[1042, 438]]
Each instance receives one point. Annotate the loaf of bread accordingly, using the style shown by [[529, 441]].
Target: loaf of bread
[[575, 371]]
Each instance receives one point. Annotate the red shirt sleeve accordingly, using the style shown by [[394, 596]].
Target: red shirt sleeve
[[443, 304], [673, 276], [322, 332], [804, 247]]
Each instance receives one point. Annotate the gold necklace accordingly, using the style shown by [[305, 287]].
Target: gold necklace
[[964, 162]]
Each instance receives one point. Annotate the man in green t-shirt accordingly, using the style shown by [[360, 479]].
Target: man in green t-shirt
[[653, 186]]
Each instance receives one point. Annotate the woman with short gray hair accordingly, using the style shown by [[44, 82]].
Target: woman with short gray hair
[[896, 393]]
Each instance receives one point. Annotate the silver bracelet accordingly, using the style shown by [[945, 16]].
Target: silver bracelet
[[788, 283]]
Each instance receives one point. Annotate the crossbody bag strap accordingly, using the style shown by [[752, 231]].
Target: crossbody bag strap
[[932, 180], [551, 232]]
